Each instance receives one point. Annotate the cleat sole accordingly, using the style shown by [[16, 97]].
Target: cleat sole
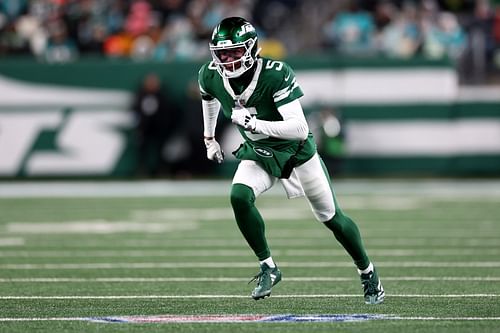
[[261, 296]]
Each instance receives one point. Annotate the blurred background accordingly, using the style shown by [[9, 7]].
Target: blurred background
[[107, 88]]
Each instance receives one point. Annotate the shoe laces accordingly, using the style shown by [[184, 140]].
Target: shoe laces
[[259, 276], [369, 283]]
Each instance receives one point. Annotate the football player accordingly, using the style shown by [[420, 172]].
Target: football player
[[261, 96]]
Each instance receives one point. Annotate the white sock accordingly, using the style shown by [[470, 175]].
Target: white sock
[[366, 270], [269, 261]]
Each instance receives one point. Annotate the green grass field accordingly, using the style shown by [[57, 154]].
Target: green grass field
[[65, 260]]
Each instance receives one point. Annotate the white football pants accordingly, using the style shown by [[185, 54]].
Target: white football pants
[[310, 176]]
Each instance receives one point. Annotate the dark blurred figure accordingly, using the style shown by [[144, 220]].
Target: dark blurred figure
[[328, 128], [60, 47], [480, 55], [189, 159], [156, 119]]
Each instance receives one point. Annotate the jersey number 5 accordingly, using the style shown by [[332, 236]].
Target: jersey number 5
[[272, 63]]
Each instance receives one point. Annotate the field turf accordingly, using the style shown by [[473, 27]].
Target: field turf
[[96, 260]]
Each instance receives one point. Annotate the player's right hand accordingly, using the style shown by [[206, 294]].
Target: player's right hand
[[214, 151]]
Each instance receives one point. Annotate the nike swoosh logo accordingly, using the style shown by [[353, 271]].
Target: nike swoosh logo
[[273, 277], [286, 78]]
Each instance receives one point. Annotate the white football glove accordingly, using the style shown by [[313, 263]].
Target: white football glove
[[243, 118], [214, 151]]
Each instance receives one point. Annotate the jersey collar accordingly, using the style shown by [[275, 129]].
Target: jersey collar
[[245, 95]]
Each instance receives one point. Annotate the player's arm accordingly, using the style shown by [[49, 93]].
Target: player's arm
[[209, 104], [210, 108], [210, 113], [292, 127], [286, 94]]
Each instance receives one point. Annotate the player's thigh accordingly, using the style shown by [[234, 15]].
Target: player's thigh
[[249, 173], [316, 185]]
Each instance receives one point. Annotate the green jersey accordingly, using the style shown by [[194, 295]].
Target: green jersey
[[273, 84]]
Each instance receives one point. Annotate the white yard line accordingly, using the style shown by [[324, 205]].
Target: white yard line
[[28, 319], [97, 227], [239, 253], [448, 318], [235, 279], [175, 265], [17, 241], [117, 297], [297, 240], [44, 319]]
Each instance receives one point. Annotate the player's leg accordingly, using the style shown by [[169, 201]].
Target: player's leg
[[249, 181], [249, 220], [317, 187]]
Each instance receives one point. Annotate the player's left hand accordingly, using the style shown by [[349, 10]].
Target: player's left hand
[[243, 118]]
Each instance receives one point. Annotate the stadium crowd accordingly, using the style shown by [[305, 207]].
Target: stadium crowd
[[165, 30]]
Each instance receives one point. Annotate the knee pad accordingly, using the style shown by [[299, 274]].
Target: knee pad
[[242, 197]]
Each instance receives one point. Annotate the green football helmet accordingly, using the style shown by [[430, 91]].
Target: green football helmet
[[234, 47]]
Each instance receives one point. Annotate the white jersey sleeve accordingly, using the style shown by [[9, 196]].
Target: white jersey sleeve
[[210, 110], [292, 127]]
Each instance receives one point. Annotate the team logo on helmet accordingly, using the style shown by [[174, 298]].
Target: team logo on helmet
[[233, 47], [245, 29]]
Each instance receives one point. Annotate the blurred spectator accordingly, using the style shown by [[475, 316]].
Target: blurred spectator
[[11, 41], [481, 29], [175, 26], [91, 22], [60, 48], [351, 31], [142, 47], [118, 45], [139, 18], [11, 10], [33, 36], [206, 14], [169, 9], [444, 38], [496, 27], [401, 36], [156, 119], [496, 34], [177, 42], [384, 13]]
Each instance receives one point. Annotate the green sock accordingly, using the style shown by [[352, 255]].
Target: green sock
[[249, 220], [347, 233]]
